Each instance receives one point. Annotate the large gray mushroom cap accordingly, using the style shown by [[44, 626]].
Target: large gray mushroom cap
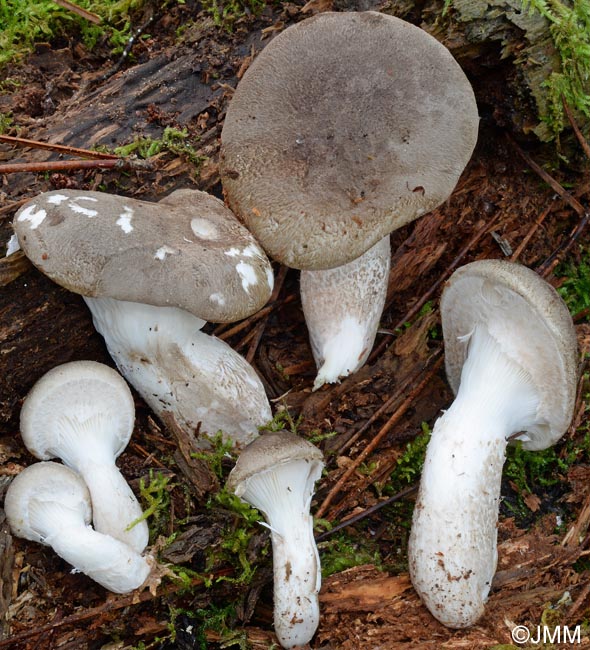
[[533, 326], [345, 127], [187, 251]]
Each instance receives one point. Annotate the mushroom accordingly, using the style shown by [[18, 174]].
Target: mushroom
[[276, 474], [171, 265], [194, 377], [345, 127], [342, 308], [83, 413], [511, 359], [49, 503]]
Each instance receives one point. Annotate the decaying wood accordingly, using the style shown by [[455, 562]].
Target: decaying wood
[[400, 411], [364, 594], [12, 267], [6, 573]]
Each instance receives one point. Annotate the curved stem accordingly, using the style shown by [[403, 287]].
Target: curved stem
[[108, 561], [114, 506], [196, 379]]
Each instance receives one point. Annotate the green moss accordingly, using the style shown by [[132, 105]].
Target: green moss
[[174, 140], [569, 25], [155, 497], [282, 421], [409, 464], [26, 23], [575, 290], [236, 539], [226, 12], [221, 450], [344, 551], [5, 122]]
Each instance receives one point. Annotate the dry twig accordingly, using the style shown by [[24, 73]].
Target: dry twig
[[400, 411]]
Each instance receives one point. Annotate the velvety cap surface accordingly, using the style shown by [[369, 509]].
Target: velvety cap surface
[[187, 251], [345, 127], [531, 322], [269, 451]]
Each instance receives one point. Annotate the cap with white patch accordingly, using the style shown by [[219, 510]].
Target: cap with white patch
[[187, 251]]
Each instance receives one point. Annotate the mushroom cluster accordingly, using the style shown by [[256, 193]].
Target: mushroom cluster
[[511, 359], [345, 127], [81, 412], [151, 274]]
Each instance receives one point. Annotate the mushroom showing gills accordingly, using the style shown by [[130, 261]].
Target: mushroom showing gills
[[276, 474], [345, 127], [171, 265], [511, 359], [83, 413], [49, 503]]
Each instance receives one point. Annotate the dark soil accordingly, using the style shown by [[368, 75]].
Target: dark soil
[[501, 208]]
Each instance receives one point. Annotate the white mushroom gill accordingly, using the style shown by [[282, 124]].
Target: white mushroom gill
[[283, 495], [452, 549], [180, 371], [342, 308]]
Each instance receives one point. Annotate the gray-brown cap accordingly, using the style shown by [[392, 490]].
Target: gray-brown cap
[[533, 326], [269, 451], [345, 127], [187, 251]]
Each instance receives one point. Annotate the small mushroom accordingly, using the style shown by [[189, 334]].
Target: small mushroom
[[170, 265], [49, 503], [342, 308], [83, 413], [511, 359], [345, 127], [276, 474]]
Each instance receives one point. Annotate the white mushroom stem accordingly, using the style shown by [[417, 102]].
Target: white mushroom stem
[[452, 549], [342, 308], [115, 509], [108, 561], [284, 495], [49, 503], [180, 371]]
